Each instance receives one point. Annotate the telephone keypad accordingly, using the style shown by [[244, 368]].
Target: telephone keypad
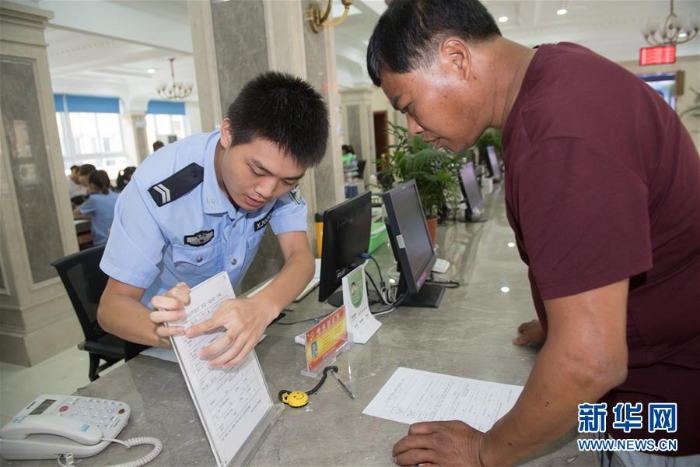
[[104, 414]]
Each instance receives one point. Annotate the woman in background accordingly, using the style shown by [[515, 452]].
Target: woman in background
[[99, 207], [124, 177]]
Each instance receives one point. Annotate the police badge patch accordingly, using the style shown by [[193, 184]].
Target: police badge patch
[[262, 223], [200, 238]]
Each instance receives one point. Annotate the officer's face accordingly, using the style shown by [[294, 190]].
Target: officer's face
[[256, 173]]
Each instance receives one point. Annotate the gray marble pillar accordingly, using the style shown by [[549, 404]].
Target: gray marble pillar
[[138, 125], [358, 123], [36, 226], [236, 41], [321, 69]]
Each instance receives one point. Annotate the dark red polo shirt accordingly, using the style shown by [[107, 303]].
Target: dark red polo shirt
[[603, 183]]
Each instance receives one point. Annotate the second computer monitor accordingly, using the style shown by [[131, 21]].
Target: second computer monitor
[[493, 164], [471, 190], [346, 232], [413, 249]]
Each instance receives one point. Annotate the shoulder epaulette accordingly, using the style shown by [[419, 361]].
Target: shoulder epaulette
[[178, 184]]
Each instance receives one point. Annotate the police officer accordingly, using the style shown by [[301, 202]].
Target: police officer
[[201, 205]]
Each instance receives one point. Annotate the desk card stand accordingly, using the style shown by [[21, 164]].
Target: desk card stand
[[361, 323], [325, 341]]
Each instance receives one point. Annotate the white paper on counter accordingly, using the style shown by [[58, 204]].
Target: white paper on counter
[[412, 396]]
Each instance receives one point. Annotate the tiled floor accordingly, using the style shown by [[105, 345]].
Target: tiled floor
[[61, 374]]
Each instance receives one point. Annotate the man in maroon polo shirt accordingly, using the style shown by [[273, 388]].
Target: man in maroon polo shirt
[[603, 193]]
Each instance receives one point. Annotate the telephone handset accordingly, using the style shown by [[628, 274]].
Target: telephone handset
[[53, 425], [78, 431]]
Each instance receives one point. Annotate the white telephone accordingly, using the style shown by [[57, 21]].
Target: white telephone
[[51, 426]]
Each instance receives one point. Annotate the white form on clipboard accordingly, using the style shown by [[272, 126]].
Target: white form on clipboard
[[234, 405]]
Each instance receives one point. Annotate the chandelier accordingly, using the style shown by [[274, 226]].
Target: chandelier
[[672, 32], [176, 90]]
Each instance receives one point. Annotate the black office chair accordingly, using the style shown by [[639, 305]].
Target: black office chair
[[84, 281], [361, 169], [78, 200]]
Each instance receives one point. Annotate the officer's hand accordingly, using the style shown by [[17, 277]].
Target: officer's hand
[[244, 322], [170, 308], [439, 443], [530, 333]]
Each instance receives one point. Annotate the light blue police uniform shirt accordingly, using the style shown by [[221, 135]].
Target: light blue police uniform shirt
[[154, 247], [100, 208]]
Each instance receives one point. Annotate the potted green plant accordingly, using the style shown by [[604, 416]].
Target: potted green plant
[[434, 170]]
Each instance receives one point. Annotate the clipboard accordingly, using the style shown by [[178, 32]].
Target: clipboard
[[234, 405]]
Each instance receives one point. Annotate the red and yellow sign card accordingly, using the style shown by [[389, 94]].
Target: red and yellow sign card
[[325, 338]]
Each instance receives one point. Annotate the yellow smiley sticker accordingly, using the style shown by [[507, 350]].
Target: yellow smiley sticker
[[295, 399]]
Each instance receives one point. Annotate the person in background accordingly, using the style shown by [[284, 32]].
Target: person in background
[[99, 207], [157, 145], [349, 162], [76, 191], [201, 206], [347, 154], [124, 177], [84, 173], [602, 194]]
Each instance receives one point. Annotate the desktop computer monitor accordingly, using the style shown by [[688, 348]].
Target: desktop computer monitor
[[346, 232], [471, 190], [493, 164], [413, 249]]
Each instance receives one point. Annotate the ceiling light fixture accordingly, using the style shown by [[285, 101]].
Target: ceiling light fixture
[[318, 20], [562, 10], [176, 90], [672, 33], [503, 19]]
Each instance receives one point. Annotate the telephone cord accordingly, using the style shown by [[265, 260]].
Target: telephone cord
[[157, 448]]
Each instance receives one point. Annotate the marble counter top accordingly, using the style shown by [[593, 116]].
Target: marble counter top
[[469, 335]]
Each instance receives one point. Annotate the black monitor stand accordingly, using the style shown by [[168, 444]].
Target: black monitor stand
[[429, 295], [470, 218]]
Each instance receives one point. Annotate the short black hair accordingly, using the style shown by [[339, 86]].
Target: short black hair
[[157, 144], [285, 110], [408, 33], [86, 169], [74, 167]]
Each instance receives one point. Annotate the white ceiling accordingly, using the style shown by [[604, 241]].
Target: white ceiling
[[114, 42]]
